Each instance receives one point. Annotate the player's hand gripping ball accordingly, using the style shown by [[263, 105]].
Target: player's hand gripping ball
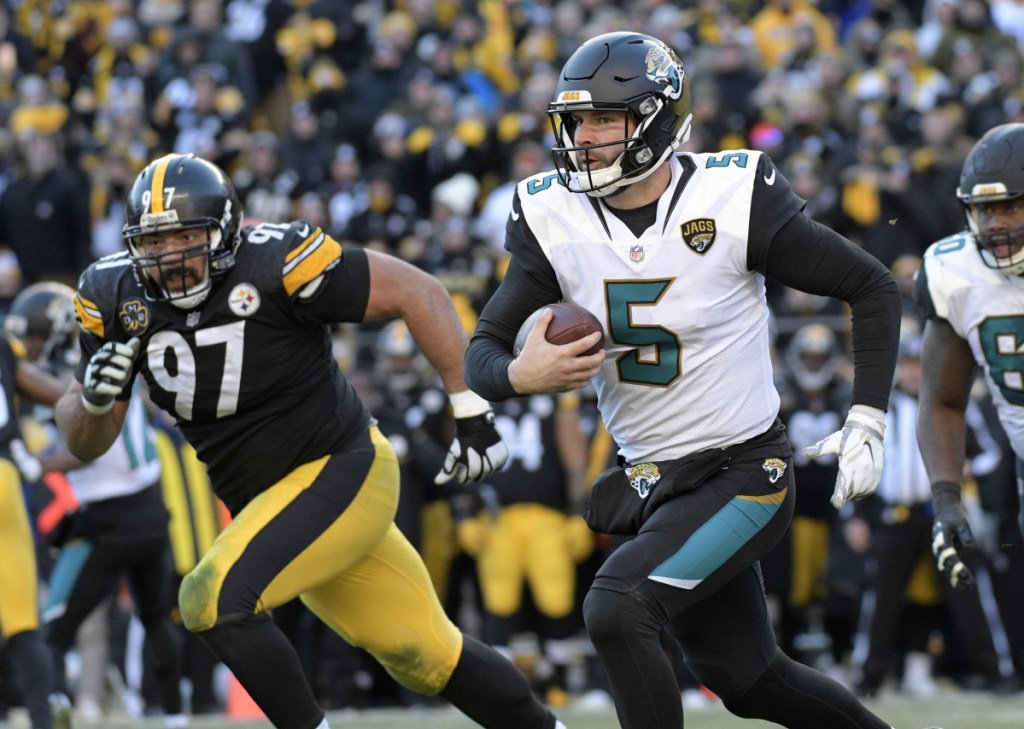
[[569, 322]]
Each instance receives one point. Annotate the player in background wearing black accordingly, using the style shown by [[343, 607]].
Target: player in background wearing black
[[19, 588]]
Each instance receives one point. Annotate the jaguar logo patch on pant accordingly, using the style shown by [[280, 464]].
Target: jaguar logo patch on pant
[[775, 468], [642, 477]]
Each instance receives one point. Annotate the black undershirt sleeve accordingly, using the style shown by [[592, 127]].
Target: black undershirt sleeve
[[810, 257], [529, 284]]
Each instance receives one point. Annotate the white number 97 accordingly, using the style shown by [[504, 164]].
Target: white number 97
[[182, 384]]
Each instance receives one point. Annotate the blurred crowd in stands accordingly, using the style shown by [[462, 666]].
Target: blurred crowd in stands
[[403, 126]]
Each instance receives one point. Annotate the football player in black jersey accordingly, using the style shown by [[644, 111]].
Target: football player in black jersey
[[19, 589], [229, 326], [118, 529]]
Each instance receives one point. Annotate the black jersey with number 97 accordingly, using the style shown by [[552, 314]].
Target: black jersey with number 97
[[249, 374]]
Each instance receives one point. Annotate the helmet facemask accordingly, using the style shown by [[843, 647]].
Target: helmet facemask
[[178, 193], [637, 160], [993, 175], [156, 269], [630, 74], [813, 357], [987, 240]]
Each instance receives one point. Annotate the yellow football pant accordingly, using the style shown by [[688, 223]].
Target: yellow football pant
[[19, 608], [359, 575], [527, 544]]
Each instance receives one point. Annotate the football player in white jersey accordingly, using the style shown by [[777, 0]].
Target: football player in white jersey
[[670, 251], [971, 291]]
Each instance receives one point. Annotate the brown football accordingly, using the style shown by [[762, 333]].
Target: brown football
[[568, 323]]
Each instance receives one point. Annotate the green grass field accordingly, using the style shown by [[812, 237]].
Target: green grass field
[[949, 711]]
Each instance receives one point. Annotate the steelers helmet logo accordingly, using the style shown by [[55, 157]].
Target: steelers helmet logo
[[244, 300]]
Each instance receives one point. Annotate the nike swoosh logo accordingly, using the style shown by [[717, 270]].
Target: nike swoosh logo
[[770, 179], [304, 231], [515, 215]]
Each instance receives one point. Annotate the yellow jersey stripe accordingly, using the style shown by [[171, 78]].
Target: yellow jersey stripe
[[309, 261], [88, 315], [312, 241], [172, 484], [156, 190], [204, 507]]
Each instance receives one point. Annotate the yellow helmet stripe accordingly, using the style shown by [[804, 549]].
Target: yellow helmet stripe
[[88, 315], [18, 347], [156, 189]]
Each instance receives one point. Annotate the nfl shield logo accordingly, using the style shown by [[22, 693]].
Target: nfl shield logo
[[636, 253]]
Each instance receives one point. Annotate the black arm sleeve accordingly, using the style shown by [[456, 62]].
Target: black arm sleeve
[[810, 257], [529, 284]]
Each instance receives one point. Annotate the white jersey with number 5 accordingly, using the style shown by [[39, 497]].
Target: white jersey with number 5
[[986, 308], [680, 308]]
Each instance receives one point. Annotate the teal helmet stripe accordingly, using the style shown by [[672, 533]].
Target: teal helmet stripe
[[716, 541]]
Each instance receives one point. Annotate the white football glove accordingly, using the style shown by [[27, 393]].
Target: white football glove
[[28, 465], [859, 449], [108, 371], [477, 450]]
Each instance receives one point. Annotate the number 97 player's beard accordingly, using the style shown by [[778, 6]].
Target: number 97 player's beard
[[174, 274]]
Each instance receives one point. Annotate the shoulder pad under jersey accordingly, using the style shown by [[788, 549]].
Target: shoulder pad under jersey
[[951, 265], [303, 254], [100, 288]]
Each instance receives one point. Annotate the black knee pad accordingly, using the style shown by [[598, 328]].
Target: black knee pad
[[748, 701], [227, 638], [616, 618]]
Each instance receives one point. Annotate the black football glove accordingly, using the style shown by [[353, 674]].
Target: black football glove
[[951, 533], [477, 450], [107, 373]]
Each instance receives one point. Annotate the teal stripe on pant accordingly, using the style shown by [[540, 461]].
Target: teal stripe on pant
[[715, 542], [65, 575]]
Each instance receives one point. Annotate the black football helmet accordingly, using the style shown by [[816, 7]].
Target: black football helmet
[[813, 356], [628, 72], [994, 172], [42, 316], [398, 366], [176, 192]]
